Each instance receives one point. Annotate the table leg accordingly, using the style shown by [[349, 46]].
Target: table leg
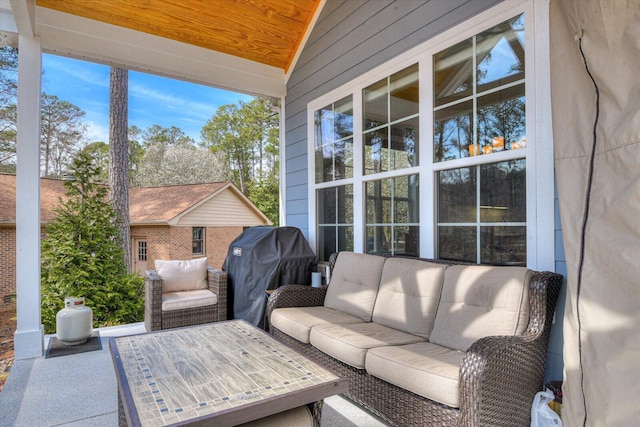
[[316, 412], [122, 418]]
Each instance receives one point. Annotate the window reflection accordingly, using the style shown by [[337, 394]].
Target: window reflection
[[479, 94], [376, 152], [501, 120], [482, 213], [500, 54], [391, 124], [404, 144], [458, 243], [334, 141], [503, 245], [503, 193], [335, 220], [453, 131], [392, 214], [404, 93], [375, 104], [453, 76], [457, 192]]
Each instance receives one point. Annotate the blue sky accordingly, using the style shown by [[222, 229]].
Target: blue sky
[[152, 99]]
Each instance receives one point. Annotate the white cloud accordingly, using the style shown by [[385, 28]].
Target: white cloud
[[76, 70], [186, 107], [96, 132]]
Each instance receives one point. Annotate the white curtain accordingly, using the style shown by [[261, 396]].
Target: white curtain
[[602, 315]]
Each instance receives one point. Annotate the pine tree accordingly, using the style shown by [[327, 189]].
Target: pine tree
[[119, 158], [82, 257]]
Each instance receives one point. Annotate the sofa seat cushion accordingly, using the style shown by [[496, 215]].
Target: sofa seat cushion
[[479, 301], [408, 296], [298, 321], [354, 284], [426, 369], [188, 299], [178, 275], [350, 343]]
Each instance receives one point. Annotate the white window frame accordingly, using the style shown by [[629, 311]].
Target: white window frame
[[204, 250], [539, 150]]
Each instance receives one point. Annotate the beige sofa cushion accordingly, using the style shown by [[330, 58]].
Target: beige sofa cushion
[[178, 275], [479, 301], [350, 343], [354, 284], [298, 321], [188, 299], [297, 417], [427, 369], [408, 296]]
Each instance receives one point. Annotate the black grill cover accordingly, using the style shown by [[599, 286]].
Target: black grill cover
[[264, 258]]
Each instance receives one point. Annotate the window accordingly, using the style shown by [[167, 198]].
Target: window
[[333, 144], [142, 250], [479, 104], [479, 110], [390, 122], [334, 141], [392, 216], [474, 184], [482, 213], [390, 115], [335, 220], [198, 241]]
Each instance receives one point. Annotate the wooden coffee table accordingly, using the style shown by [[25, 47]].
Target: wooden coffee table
[[222, 374]]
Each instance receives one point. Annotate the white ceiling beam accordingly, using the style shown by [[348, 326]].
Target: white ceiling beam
[[82, 38], [24, 14]]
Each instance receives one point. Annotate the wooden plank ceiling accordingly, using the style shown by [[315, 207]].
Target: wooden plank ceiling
[[265, 31]]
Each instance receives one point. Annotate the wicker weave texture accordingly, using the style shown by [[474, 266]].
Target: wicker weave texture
[[156, 319], [499, 376]]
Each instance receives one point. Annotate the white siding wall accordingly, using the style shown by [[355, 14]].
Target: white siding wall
[[225, 209]]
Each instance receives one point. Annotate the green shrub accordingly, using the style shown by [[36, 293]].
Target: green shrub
[[82, 256]]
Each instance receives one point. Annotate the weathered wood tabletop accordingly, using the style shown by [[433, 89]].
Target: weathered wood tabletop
[[230, 371]]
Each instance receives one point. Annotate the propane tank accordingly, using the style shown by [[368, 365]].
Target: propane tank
[[74, 322]]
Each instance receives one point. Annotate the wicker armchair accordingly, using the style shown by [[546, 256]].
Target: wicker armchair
[[499, 375], [155, 318]]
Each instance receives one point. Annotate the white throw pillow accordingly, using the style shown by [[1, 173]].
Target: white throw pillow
[[179, 275]]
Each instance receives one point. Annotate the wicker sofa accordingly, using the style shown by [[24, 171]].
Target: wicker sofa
[[184, 293], [426, 342]]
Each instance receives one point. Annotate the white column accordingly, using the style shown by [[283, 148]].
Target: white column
[[542, 161], [283, 165], [29, 337]]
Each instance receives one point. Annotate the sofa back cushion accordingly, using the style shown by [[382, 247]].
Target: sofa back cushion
[[178, 275], [479, 301], [408, 295], [354, 284]]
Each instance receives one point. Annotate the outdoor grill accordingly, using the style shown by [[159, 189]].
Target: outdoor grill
[[264, 258]]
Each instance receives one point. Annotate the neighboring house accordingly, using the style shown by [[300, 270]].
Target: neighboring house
[[188, 221], [172, 222]]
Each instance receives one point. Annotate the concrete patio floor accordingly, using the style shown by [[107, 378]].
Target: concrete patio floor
[[81, 390]]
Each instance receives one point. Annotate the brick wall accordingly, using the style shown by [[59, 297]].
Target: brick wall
[[7, 266], [181, 243], [158, 242], [217, 241], [165, 242]]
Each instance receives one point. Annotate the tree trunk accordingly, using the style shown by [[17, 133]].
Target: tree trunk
[[118, 156]]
